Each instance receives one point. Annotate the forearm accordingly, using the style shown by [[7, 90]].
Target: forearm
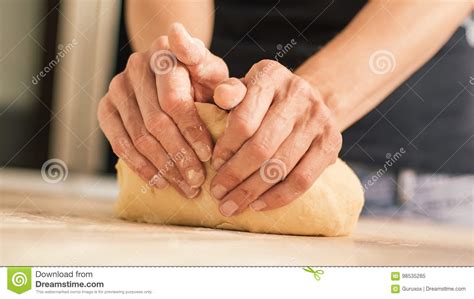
[[148, 19], [411, 31]]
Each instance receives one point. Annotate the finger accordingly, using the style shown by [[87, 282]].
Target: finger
[[112, 126], [174, 95], [188, 50], [262, 81], [143, 141], [243, 121], [254, 152], [270, 173], [322, 153], [160, 125], [229, 93], [204, 66], [149, 147]]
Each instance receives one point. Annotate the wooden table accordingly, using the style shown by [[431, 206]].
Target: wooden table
[[43, 226]]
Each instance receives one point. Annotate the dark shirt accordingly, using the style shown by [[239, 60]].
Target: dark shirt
[[430, 115]]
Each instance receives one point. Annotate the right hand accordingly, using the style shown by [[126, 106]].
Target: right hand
[[148, 114]]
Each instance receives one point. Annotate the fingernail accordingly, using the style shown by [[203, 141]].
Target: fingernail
[[217, 163], [188, 190], [228, 208], [258, 205], [218, 191], [203, 151], [158, 182], [195, 177]]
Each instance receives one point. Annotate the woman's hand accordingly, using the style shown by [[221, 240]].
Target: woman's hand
[[148, 114], [279, 138]]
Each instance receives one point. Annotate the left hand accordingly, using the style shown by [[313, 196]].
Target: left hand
[[279, 138]]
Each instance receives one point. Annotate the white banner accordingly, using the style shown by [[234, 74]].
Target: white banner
[[236, 282]]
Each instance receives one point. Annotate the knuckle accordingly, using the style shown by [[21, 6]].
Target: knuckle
[[117, 83], [268, 71], [224, 151], [324, 112], [241, 124], [144, 142], [261, 70], [172, 97], [136, 62], [200, 71], [229, 178], [336, 141], [100, 113], [103, 110], [332, 145], [160, 42], [300, 87], [260, 150], [265, 63], [157, 124], [320, 113], [263, 87], [121, 147], [302, 181], [284, 115], [246, 196], [141, 167], [129, 119], [220, 68], [175, 107], [170, 105]]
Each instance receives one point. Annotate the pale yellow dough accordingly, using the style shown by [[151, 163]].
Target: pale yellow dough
[[330, 207]]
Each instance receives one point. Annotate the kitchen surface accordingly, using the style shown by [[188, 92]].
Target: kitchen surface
[[73, 223]]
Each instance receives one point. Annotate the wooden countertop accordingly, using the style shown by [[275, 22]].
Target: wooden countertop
[[42, 227]]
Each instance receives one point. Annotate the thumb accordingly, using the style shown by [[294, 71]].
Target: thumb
[[201, 63], [229, 93]]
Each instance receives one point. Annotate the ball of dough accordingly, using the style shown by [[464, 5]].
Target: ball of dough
[[330, 207]]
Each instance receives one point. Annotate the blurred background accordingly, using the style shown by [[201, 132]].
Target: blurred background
[[57, 58]]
